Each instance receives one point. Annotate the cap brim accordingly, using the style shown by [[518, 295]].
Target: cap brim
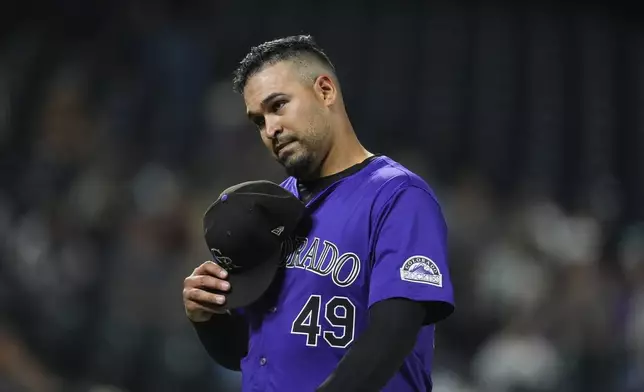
[[246, 288]]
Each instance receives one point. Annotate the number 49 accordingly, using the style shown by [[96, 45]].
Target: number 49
[[338, 311]]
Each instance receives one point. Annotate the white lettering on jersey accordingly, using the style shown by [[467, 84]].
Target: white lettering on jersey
[[322, 259]]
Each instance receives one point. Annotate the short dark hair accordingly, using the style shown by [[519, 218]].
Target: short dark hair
[[272, 52]]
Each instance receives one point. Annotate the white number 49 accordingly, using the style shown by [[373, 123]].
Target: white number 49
[[338, 311]]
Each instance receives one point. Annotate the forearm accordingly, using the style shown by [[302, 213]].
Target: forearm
[[380, 351], [225, 338]]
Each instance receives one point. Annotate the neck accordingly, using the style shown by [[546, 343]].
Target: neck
[[345, 152]]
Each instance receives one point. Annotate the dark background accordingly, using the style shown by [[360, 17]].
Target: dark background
[[118, 127]]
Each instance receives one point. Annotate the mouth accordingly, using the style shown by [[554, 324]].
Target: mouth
[[280, 147]]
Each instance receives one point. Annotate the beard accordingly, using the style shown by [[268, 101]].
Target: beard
[[300, 164], [304, 161]]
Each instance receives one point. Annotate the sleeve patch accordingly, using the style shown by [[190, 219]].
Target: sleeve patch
[[421, 269]]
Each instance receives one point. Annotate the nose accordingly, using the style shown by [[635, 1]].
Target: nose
[[273, 127]]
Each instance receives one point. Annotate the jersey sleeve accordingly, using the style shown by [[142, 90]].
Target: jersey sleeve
[[410, 250]]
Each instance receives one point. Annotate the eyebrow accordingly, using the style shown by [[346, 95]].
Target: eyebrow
[[265, 101]]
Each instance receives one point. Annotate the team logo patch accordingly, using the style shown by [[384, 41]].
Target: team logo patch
[[421, 269]]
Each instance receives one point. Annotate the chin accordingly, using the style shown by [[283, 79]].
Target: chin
[[299, 165]]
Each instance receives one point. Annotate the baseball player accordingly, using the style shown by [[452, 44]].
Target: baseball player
[[363, 276]]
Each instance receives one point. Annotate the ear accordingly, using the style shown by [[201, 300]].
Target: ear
[[325, 89]]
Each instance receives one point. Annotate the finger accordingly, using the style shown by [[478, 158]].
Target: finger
[[204, 297], [192, 306], [207, 282], [211, 268]]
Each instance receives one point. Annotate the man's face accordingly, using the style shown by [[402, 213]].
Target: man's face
[[291, 116]]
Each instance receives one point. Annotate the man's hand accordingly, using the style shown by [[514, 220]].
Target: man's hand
[[199, 298]]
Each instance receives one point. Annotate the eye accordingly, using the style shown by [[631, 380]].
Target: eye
[[278, 105]]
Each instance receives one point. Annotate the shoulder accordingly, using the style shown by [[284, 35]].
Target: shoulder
[[404, 200], [389, 179]]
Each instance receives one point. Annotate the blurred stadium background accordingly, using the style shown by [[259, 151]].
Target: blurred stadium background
[[118, 127]]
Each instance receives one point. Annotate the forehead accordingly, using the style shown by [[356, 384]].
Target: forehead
[[276, 78]]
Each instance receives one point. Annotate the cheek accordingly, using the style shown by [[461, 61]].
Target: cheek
[[318, 129], [298, 118]]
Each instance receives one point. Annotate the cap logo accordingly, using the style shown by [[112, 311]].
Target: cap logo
[[278, 231], [225, 262]]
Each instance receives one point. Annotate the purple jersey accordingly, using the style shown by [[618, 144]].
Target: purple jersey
[[376, 234]]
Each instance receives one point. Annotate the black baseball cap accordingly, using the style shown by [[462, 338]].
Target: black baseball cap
[[244, 230]]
